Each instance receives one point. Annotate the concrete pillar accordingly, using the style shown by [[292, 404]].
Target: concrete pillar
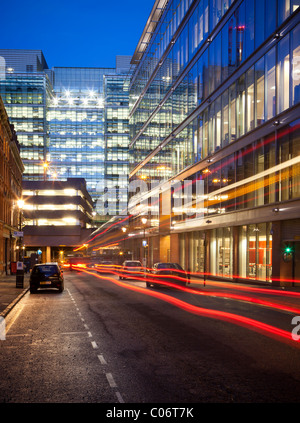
[[48, 254], [235, 251], [276, 252], [174, 245], [164, 247], [156, 253]]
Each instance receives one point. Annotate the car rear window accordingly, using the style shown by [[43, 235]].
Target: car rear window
[[133, 264], [46, 270], [166, 266]]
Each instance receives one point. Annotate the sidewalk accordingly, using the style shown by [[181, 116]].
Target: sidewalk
[[9, 294]]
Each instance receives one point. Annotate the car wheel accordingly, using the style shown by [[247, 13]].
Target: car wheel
[[32, 290], [148, 284]]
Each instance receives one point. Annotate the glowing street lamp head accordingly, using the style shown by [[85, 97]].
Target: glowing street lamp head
[[20, 203]]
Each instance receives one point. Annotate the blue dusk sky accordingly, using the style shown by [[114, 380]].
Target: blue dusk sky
[[85, 33]]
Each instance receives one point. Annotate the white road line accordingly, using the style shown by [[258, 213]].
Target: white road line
[[102, 359], [119, 396], [9, 321], [111, 380]]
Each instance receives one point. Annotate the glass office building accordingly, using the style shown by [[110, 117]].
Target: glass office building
[[26, 91], [60, 116], [116, 160], [76, 125], [214, 121]]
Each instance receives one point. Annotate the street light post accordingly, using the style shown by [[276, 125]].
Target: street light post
[[124, 230], [144, 222], [20, 261]]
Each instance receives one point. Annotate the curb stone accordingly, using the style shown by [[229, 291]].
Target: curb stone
[[8, 309]]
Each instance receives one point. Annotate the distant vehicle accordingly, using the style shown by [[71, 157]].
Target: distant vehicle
[[130, 269], [76, 263], [166, 272], [47, 275]]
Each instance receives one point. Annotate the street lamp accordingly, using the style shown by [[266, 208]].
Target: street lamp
[[20, 204], [144, 222], [20, 261], [124, 230]]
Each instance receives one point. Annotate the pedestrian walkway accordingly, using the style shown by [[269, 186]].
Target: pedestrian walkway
[[9, 293]]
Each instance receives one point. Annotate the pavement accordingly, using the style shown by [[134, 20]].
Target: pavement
[[10, 295]]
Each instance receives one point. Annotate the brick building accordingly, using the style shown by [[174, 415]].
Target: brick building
[[11, 170]]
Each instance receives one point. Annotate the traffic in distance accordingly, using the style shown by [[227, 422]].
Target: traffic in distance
[[50, 275]]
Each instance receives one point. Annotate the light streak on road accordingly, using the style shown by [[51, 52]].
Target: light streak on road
[[263, 328]]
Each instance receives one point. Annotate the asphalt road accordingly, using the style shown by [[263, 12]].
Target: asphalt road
[[100, 342]]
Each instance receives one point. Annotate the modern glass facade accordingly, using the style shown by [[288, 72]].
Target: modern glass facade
[[214, 102], [76, 125], [26, 99], [75, 119], [116, 145]]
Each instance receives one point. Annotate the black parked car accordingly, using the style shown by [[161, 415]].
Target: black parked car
[[166, 272], [47, 275]]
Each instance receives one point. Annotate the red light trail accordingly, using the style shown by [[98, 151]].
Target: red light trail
[[239, 320]]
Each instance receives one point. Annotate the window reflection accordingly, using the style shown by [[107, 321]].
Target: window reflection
[[270, 84], [283, 74], [295, 64], [258, 95], [260, 91]]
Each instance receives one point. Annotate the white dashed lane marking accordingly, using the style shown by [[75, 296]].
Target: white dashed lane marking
[[111, 380], [94, 345], [102, 360]]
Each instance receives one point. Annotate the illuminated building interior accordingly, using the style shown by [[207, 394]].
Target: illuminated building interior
[[215, 98], [73, 119]]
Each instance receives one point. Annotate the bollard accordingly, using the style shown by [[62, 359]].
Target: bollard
[[20, 275]]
